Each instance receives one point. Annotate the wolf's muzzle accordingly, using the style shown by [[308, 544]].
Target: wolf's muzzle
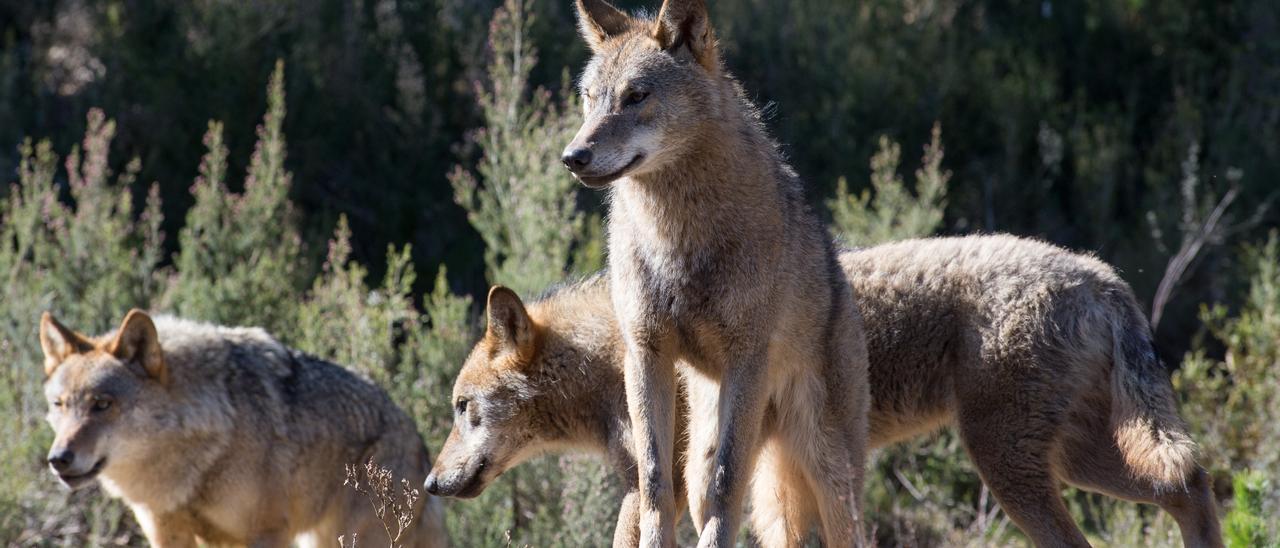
[[452, 487], [70, 478], [600, 181]]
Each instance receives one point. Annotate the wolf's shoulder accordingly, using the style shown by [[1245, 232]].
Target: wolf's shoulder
[[202, 349], [246, 364]]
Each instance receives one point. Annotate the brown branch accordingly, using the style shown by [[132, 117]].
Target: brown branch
[[1177, 267]]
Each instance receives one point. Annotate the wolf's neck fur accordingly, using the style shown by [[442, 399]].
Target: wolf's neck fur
[[730, 166], [161, 485], [580, 391]]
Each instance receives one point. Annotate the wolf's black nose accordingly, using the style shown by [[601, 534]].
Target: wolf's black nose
[[61, 460], [576, 159], [431, 485]]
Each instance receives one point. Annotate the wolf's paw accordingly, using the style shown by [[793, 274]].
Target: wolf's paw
[[714, 536], [652, 531]]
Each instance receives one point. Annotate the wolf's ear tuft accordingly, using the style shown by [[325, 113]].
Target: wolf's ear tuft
[[598, 20], [509, 323], [58, 342], [137, 341], [685, 24]]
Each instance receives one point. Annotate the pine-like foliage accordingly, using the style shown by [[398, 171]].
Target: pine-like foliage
[[240, 255], [519, 198], [1246, 525], [893, 212]]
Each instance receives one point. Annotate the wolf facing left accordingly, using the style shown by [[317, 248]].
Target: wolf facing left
[[224, 435]]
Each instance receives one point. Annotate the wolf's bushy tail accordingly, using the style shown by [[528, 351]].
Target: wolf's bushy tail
[[1151, 436]]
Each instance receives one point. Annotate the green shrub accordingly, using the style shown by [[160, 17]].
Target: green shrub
[[893, 212], [344, 320], [1246, 525], [381, 333], [520, 199], [240, 258], [1233, 404]]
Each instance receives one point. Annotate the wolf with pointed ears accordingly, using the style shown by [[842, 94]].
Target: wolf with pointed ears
[[225, 435], [1039, 358], [720, 269]]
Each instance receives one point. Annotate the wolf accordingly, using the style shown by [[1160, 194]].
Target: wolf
[[720, 269], [543, 379], [1038, 357], [225, 435]]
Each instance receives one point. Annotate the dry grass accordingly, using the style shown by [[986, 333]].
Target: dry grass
[[394, 508]]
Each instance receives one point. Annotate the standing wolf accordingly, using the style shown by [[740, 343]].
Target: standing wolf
[[1043, 361], [716, 262], [224, 434], [1039, 357]]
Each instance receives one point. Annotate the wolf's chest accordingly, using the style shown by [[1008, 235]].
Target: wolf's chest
[[673, 284]]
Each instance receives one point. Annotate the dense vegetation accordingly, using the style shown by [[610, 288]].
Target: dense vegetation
[[425, 133]]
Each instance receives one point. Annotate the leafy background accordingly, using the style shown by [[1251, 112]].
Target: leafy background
[[423, 134]]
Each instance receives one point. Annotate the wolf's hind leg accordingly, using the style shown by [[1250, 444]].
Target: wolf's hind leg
[[782, 506], [1010, 435], [704, 401], [835, 481], [1090, 460], [836, 448]]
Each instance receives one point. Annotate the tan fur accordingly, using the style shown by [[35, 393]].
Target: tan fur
[[1043, 361], [1011, 341], [721, 271], [564, 393], [224, 435]]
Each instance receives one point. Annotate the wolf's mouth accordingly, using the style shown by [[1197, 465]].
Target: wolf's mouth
[[76, 481], [475, 485], [602, 180]]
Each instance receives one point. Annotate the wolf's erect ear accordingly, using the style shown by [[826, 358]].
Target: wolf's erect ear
[[509, 323], [598, 20], [58, 342], [137, 341], [685, 24]]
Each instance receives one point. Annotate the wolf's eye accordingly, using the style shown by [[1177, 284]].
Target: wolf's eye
[[635, 98], [461, 406], [101, 404], [56, 403]]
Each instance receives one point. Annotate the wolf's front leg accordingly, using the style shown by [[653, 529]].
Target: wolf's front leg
[[743, 396], [650, 381], [165, 531]]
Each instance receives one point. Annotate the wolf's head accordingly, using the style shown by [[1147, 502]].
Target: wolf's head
[[650, 86], [541, 379], [96, 389], [492, 428]]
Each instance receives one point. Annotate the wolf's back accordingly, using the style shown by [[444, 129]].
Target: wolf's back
[[269, 386], [306, 416]]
